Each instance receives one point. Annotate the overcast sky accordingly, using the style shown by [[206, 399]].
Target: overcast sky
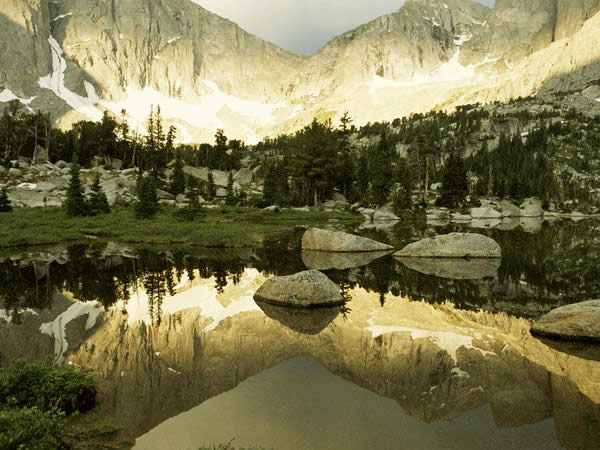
[[302, 26]]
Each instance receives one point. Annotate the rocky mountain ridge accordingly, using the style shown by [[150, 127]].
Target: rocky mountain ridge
[[84, 56]]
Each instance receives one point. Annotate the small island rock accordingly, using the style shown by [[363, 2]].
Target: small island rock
[[577, 322], [454, 245], [309, 289], [337, 241]]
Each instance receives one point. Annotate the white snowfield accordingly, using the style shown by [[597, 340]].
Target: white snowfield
[[7, 95], [62, 16], [205, 111], [56, 83], [138, 101]]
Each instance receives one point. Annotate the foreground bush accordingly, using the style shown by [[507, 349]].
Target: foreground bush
[[46, 387], [31, 429]]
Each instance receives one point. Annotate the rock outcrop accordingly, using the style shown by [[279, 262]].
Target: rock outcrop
[[454, 245], [532, 207], [309, 289], [577, 322], [337, 241]]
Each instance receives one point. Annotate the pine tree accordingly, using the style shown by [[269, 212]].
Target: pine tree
[[170, 144], [211, 191], [4, 201], [380, 172], [230, 198], [147, 204], [97, 202], [178, 177], [455, 185], [193, 211], [75, 205], [362, 178]]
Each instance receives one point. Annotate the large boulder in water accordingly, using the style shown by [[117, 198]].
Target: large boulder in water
[[309, 289], [454, 245], [336, 241], [532, 207], [485, 213], [577, 322]]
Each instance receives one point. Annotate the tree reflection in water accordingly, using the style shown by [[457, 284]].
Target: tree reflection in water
[[558, 265]]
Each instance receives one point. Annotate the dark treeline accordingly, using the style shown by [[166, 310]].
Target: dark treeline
[[471, 151], [23, 131], [475, 150]]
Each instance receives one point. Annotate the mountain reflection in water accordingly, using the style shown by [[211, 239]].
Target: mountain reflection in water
[[170, 331]]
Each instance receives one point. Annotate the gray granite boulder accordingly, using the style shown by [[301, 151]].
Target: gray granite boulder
[[532, 207], [309, 289], [577, 322], [454, 245], [337, 241]]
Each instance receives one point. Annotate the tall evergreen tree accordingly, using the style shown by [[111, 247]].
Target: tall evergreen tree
[[193, 211], [4, 201], [230, 198], [211, 190], [380, 171], [178, 177], [75, 205], [455, 185], [362, 178], [97, 202], [147, 204]]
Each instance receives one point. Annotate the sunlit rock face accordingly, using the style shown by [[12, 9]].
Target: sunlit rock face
[[84, 57]]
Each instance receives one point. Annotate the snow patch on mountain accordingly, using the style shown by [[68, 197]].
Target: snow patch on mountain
[[205, 111], [451, 70], [55, 82], [460, 40], [62, 16], [7, 96]]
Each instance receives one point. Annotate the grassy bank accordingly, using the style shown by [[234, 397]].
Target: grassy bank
[[227, 227]]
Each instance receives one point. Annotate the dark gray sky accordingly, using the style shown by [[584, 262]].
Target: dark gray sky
[[302, 26]]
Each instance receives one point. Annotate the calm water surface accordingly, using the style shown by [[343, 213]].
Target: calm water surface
[[425, 354]]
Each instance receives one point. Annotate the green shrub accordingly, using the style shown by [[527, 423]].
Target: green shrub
[[32, 429], [47, 387]]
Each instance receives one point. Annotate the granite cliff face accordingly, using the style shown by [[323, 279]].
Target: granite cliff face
[[84, 56]]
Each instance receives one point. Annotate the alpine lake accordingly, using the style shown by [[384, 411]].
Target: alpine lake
[[425, 354]]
